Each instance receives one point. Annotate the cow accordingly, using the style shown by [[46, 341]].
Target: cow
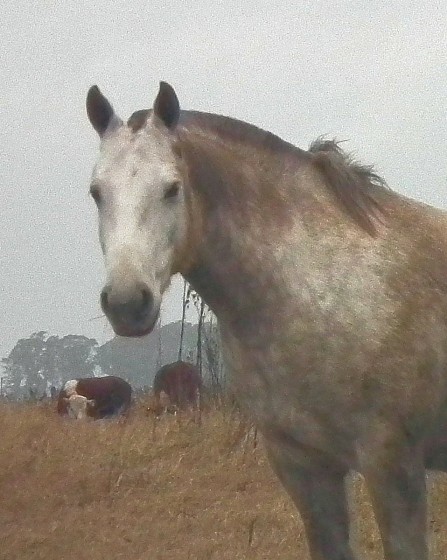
[[177, 386], [94, 397]]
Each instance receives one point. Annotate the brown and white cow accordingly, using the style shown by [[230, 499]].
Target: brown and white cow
[[95, 397]]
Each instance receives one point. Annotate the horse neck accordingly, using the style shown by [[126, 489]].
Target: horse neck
[[244, 210]]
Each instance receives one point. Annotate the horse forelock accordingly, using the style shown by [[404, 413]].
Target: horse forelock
[[138, 120]]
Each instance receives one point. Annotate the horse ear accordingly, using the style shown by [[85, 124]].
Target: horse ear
[[167, 106], [99, 110]]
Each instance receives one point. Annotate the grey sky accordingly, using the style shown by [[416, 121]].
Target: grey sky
[[371, 72]]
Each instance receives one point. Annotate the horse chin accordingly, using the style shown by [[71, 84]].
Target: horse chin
[[135, 331], [128, 333]]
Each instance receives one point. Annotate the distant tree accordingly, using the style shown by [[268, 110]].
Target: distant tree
[[72, 356], [41, 361]]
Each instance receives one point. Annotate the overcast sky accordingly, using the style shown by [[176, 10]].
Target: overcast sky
[[372, 72]]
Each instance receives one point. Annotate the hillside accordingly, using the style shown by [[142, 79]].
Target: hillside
[[139, 490]]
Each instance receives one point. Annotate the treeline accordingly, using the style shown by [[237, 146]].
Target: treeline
[[42, 362]]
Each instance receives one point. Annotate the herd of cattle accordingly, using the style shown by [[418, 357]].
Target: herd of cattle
[[177, 386]]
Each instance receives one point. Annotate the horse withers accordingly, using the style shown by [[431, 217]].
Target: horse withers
[[330, 290]]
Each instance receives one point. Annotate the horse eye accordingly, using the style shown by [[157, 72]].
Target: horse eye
[[172, 191], [96, 194]]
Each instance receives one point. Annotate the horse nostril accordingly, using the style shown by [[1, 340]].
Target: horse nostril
[[104, 299], [146, 298]]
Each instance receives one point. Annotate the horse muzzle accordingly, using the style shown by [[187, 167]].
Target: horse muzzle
[[132, 311]]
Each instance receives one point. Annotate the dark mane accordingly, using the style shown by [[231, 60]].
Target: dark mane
[[354, 184], [238, 131], [226, 128]]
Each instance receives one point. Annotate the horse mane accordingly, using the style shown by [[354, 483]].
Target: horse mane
[[226, 128], [353, 183], [236, 130]]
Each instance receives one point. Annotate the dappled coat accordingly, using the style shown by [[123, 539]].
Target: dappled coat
[[330, 291], [181, 382], [95, 397]]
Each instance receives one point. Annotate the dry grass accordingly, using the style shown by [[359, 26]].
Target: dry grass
[[172, 490]]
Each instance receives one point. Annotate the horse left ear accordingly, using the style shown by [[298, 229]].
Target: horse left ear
[[167, 106]]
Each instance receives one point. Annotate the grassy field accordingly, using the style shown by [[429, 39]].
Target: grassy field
[[140, 490]]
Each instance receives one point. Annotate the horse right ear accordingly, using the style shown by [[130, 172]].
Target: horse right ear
[[99, 111]]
